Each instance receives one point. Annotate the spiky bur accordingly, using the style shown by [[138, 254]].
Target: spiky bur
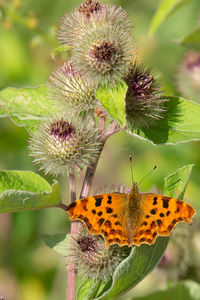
[[59, 145], [91, 257], [188, 76], [102, 46], [67, 87], [70, 25], [144, 98]]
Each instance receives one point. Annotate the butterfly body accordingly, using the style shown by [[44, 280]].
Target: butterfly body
[[130, 218]]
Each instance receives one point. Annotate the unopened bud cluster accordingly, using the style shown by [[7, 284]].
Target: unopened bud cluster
[[100, 37]]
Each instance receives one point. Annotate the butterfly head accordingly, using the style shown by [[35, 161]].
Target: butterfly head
[[134, 193]]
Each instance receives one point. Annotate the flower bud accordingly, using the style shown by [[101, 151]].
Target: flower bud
[[59, 145], [71, 23], [144, 102], [91, 257], [101, 44], [68, 88]]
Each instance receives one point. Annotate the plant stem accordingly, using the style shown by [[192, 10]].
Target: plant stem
[[72, 272], [87, 183], [89, 175]]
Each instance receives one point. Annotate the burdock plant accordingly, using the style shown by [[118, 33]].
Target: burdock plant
[[99, 90]]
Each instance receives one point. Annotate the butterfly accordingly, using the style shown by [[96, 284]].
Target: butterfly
[[130, 218]]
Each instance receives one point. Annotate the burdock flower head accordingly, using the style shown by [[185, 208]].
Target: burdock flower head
[[70, 25], [144, 101], [59, 145], [188, 76], [101, 43], [91, 257], [67, 87]]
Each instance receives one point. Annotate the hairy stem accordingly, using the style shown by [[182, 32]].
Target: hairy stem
[[72, 272]]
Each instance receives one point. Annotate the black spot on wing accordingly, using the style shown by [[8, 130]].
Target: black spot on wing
[[154, 234], [159, 222], [165, 201], [168, 213], [98, 200], [109, 200], [100, 222], [104, 233], [100, 213], [174, 221], [85, 208], [170, 227], [155, 200], [153, 211], [73, 204], [109, 210], [86, 220], [141, 232], [107, 224], [142, 240], [94, 211], [144, 223], [118, 223], [162, 215], [153, 224]]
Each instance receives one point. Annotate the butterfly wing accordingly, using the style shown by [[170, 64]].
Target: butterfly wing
[[101, 214], [160, 215]]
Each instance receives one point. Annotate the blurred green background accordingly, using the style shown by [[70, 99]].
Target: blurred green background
[[28, 269]]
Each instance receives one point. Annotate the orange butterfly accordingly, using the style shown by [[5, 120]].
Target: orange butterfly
[[130, 219]]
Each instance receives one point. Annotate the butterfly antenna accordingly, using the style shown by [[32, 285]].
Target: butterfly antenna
[[147, 175], [131, 166]]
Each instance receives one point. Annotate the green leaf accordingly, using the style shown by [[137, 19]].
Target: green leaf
[[191, 40], [58, 242], [25, 106], [180, 124], [25, 190], [165, 9], [59, 50], [143, 259], [187, 290], [112, 99], [175, 184]]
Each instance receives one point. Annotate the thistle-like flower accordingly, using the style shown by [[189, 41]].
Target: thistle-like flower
[[144, 99], [71, 23], [188, 76], [59, 145], [101, 43], [91, 257], [67, 87]]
